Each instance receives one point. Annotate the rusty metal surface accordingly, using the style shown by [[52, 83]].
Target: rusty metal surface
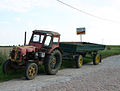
[[46, 32]]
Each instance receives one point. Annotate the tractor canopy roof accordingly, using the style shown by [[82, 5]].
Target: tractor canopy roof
[[46, 32]]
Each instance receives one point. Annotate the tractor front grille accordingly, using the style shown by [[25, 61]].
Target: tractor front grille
[[15, 55]]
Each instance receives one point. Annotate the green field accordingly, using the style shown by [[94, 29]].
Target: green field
[[4, 51]]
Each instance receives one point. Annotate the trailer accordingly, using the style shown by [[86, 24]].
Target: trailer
[[78, 50], [46, 49]]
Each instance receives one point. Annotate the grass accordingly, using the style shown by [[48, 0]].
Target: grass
[[109, 51], [17, 74], [3, 57], [5, 50]]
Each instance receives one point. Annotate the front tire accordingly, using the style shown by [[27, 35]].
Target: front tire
[[7, 68], [31, 71], [53, 62]]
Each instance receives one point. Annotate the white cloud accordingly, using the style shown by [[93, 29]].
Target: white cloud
[[100, 31], [49, 27], [97, 31], [18, 19], [22, 5], [4, 22]]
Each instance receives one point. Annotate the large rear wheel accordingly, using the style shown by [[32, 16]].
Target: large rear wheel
[[31, 71], [53, 62], [7, 68]]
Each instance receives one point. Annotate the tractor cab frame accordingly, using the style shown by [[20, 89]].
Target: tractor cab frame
[[45, 41]]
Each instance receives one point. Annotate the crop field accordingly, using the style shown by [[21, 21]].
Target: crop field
[[4, 51]]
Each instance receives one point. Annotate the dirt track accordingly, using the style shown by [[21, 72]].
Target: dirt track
[[103, 77]]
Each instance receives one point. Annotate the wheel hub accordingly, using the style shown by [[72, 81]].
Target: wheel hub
[[53, 62], [97, 59], [80, 61], [32, 71]]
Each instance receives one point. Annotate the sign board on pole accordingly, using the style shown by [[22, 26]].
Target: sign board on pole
[[80, 31]]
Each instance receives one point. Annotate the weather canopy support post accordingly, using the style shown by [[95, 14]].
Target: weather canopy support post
[[80, 31]]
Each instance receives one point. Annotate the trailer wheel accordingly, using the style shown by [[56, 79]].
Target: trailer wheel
[[53, 62], [96, 59], [79, 61], [7, 69], [100, 58], [31, 71]]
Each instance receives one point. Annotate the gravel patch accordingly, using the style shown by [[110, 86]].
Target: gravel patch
[[102, 77]]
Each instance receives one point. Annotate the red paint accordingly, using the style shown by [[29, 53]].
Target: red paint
[[36, 46]]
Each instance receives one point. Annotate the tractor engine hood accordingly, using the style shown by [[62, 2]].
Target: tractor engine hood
[[25, 49]]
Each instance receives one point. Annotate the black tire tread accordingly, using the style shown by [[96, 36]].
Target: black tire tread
[[77, 61], [26, 70], [47, 60], [94, 59], [6, 64]]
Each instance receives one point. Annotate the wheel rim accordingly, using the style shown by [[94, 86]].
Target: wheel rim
[[32, 71], [97, 59], [80, 61], [53, 62]]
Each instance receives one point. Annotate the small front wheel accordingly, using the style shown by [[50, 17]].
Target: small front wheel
[[31, 71], [7, 68], [96, 59], [79, 61]]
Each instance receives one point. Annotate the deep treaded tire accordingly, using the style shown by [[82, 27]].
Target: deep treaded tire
[[7, 69], [79, 61], [31, 71], [96, 59], [53, 62]]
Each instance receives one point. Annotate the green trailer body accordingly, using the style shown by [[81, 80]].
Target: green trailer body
[[80, 47], [78, 50]]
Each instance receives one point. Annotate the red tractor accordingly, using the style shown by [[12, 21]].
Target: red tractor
[[43, 49]]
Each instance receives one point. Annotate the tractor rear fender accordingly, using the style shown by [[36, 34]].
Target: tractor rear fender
[[57, 48]]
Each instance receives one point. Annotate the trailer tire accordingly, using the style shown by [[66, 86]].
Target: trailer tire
[[53, 62], [96, 59], [31, 71], [84, 54], [79, 61], [100, 58], [6, 68]]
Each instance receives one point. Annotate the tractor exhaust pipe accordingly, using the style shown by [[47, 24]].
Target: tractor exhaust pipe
[[25, 39]]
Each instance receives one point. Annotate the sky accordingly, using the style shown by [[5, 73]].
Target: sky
[[18, 16]]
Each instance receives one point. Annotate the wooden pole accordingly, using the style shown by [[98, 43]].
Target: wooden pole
[[80, 37]]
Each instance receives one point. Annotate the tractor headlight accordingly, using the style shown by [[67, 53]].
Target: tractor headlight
[[23, 55], [42, 54]]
